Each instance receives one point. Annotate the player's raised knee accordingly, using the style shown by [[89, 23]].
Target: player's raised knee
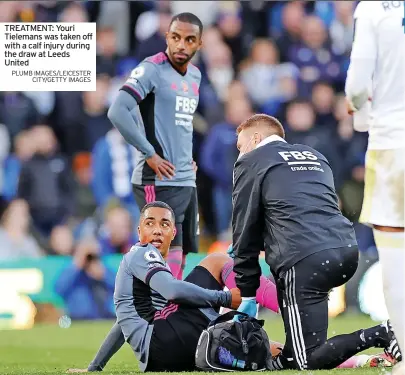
[[214, 263]]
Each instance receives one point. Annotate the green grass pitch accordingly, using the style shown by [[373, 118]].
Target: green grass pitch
[[49, 349]]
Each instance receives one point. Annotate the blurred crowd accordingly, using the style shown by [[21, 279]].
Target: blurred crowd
[[65, 172]]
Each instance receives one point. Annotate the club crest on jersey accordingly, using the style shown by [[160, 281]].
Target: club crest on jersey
[[152, 256], [138, 72]]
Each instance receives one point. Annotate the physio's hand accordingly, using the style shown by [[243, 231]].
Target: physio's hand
[[248, 306], [230, 251], [161, 167], [236, 298]]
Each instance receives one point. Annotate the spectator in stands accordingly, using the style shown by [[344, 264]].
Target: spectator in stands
[[24, 149], [323, 99], [85, 203], [9, 11], [262, 76], [314, 57], [219, 154], [107, 56], [4, 153], [73, 12], [157, 42], [61, 241], [293, 14], [341, 28], [16, 242], [95, 120], [86, 285], [353, 147], [46, 182], [218, 75], [236, 90], [117, 233], [113, 161], [17, 112], [67, 118], [229, 24], [301, 128]]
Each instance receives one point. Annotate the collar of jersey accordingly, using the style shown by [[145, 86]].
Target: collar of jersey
[[178, 71], [270, 138]]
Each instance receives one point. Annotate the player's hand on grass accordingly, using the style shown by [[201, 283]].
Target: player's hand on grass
[[236, 298], [161, 167]]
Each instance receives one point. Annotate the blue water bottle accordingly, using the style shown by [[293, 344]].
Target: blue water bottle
[[226, 358]]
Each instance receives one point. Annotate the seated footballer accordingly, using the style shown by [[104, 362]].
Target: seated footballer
[[161, 317]]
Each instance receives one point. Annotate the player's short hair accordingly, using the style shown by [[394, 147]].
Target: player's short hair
[[188, 18], [159, 204], [261, 119]]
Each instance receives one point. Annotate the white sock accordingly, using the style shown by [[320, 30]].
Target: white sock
[[391, 254]]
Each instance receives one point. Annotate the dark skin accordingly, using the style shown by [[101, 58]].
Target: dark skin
[[183, 41]]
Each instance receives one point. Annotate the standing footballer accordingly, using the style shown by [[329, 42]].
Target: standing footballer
[[377, 71], [154, 113]]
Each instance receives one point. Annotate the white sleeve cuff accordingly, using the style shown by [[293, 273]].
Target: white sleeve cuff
[[248, 299]]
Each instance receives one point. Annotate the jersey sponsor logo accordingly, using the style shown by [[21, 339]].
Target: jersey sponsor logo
[[185, 108], [301, 160], [152, 256], [154, 265], [297, 155]]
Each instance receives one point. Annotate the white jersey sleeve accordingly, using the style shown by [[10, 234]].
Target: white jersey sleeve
[[377, 71]]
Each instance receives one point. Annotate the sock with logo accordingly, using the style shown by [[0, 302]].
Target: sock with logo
[[174, 260]]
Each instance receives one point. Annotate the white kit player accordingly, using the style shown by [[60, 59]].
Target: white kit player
[[375, 92]]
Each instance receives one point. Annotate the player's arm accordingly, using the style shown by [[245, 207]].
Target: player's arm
[[183, 292], [247, 232], [362, 60], [111, 344], [148, 266], [122, 112]]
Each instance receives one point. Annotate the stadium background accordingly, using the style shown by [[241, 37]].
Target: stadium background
[[66, 211]]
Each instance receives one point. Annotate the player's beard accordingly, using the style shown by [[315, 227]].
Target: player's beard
[[185, 61]]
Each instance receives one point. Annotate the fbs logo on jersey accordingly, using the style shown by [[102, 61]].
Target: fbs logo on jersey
[[152, 256]]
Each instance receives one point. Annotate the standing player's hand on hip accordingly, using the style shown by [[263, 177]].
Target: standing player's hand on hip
[[236, 298], [195, 167], [161, 167], [248, 306]]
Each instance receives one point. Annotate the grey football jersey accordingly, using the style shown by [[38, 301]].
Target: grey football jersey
[[167, 101], [135, 302]]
